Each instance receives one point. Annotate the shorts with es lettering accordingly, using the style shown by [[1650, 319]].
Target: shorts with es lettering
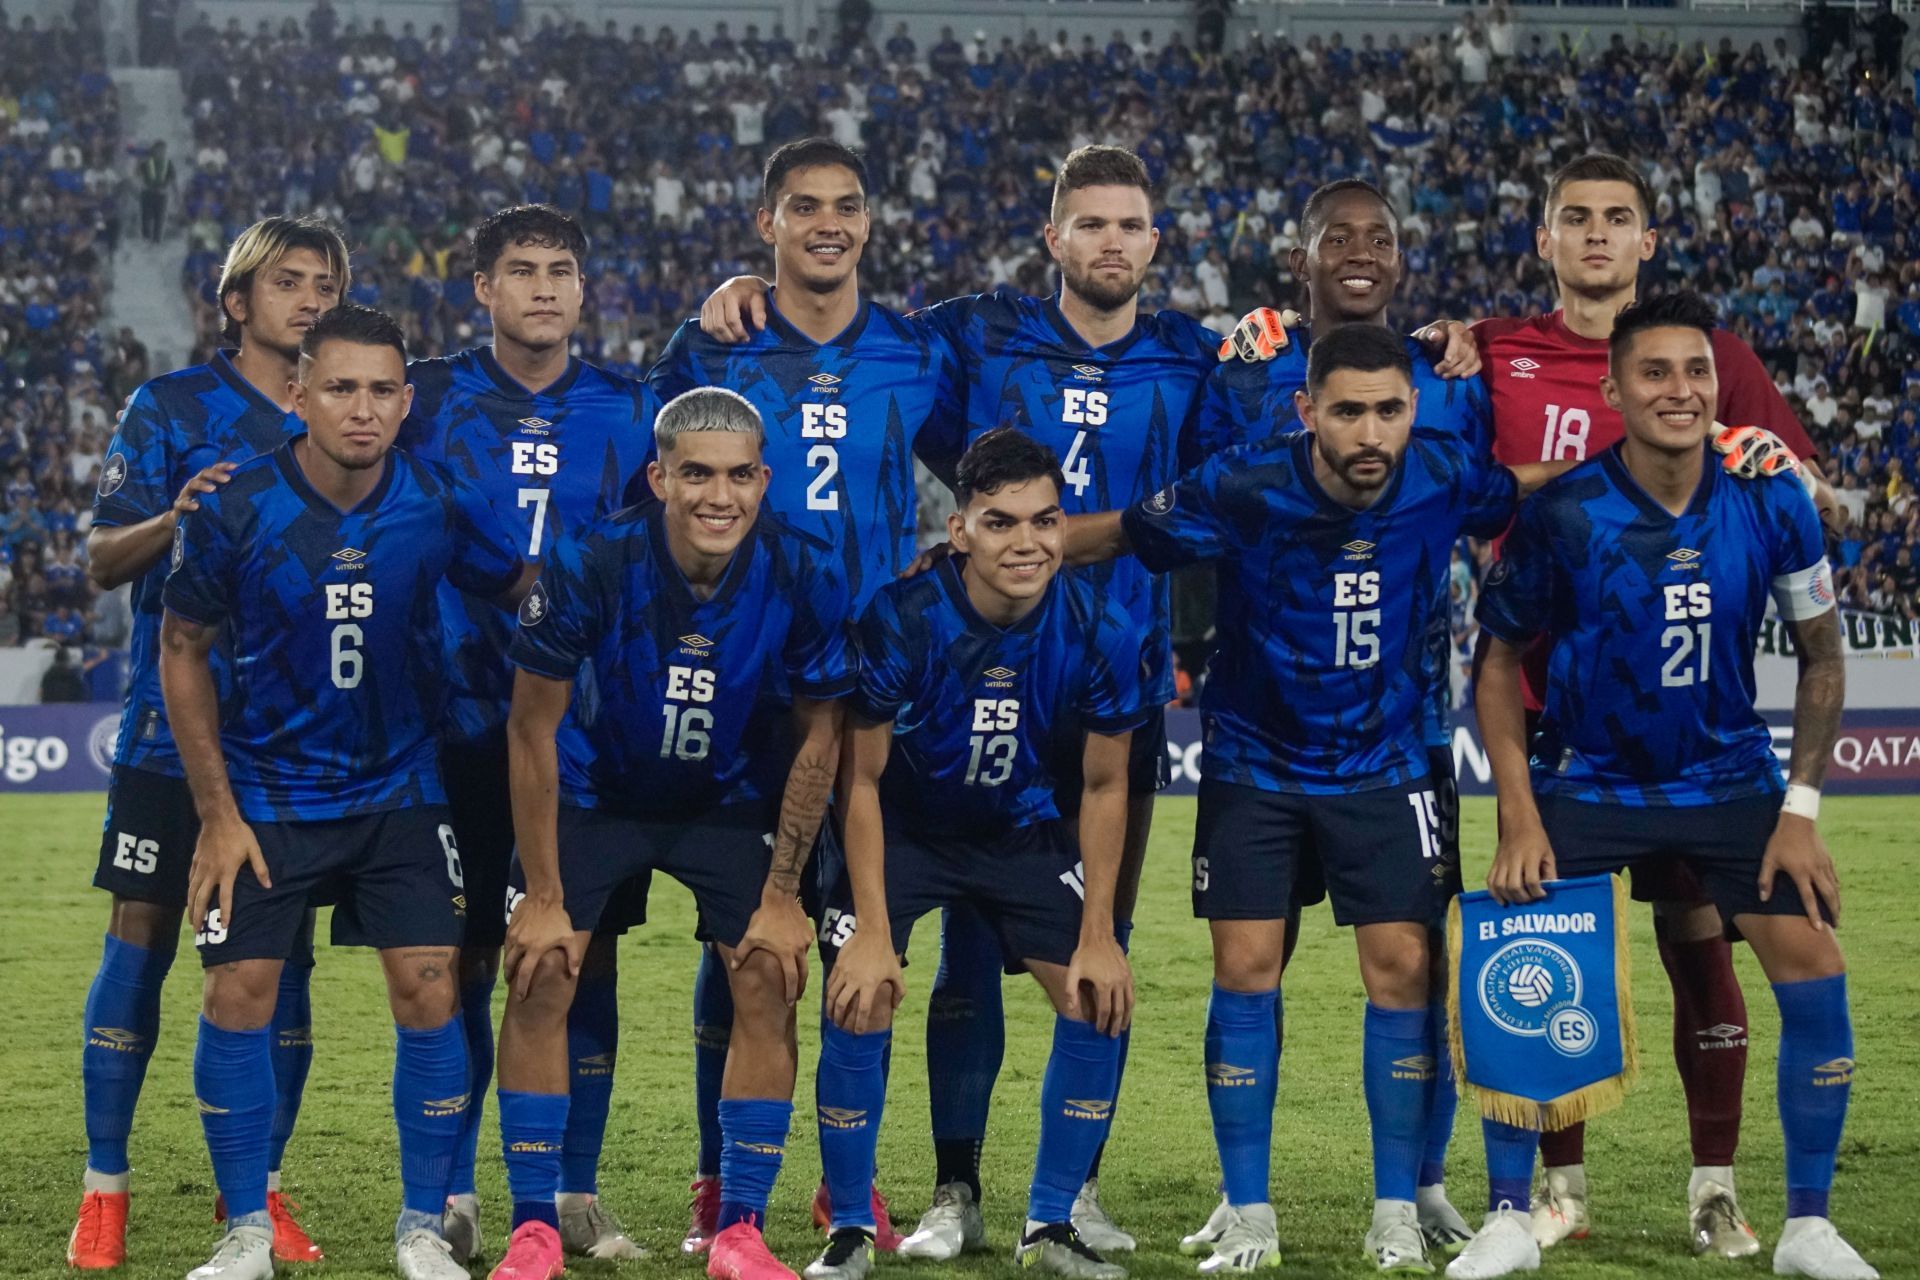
[[721, 856], [1380, 852], [146, 847], [1722, 845], [1026, 883], [394, 877]]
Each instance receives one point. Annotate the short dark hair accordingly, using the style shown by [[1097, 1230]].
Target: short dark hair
[[1680, 309], [351, 322], [1099, 166], [1002, 457], [1314, 212], [1600, 166], [1366, 347], [262, 245], [807, 153], [532, 224]]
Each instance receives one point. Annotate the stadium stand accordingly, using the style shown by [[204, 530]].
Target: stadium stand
[[1787, 187]]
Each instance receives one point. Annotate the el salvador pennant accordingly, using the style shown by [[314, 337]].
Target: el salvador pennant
[[1539, 1015]]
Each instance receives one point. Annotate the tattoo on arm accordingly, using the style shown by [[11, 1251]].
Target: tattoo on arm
[[803, 807], [1818, 697]]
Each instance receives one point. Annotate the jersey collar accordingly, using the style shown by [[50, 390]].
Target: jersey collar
[[1074, 342], [222, 366], [676, 581], [290, 468], [1616, 468], [513, 389], [843, 339], [948, 571]]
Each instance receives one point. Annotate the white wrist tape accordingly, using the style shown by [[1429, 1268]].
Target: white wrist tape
[[1802, 801]]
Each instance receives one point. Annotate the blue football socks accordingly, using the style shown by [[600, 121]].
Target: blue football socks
[[120, 1025], [532, 1127], [850, 1091], [712, 1032], [430, 1100], [754, 1137], [1243, 1074], [233, 1082], [966, 1030], [1076, 1100], [1815, 1079], [292, 1052], [476, 1025], [593, 1042], [1397, 1075], [1446, 1100], [1510, 1153]]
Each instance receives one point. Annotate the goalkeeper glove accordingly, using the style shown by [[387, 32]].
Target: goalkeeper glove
[[1260, 336], [1755, 452]]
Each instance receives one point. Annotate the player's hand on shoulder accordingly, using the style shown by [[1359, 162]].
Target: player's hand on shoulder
[[1100, 985], [780, 928], [539, 925], [1522, 864], [729, 310], [927, 559], [1260, 336], [206, 480], [1451, 347], [1796, 851], [226, 847], [1754, 453], [866, 973]]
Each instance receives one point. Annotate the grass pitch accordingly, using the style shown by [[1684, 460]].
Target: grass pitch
[[1160, 1173]]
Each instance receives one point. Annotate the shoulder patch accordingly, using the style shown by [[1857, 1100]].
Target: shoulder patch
[[113, 474], [534, 609]]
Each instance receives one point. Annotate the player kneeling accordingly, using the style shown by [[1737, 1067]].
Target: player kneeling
[[981, 683], [705, 628], [1650, 571], [320, 562]]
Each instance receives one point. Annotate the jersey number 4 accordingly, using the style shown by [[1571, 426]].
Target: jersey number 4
[[1084, 409]]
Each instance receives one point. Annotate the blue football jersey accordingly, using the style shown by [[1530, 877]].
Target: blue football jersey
[[547, 462], [334, 622], [1245, 402], [1113, 414], [1323, 661], [680, 704], [987, 719], [174, 427], [1653, 619], [843, 420]]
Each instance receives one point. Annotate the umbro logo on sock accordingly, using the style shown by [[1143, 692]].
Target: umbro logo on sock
[[1724, 1035]]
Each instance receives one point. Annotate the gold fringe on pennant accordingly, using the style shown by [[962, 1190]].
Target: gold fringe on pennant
[[1568, 1109]]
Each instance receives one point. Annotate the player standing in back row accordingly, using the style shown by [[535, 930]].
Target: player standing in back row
[[1543, 377], [552, 443], [180, 438]]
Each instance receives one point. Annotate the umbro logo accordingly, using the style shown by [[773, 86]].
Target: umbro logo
[[1685, 555], [445, 1106], [1417, 1067], [1359, 549], [824, 380], [295, 1037], [208, 1109], [602, 1060], [1000, 673], [1087, 1108], [118, 1039], [349, 555], [1723, 1035], [1522, 368], [1832, 1072], [695, 640], [761, 1148], [535, 424], [1090, 372], [1228, 1076], [843, 1117]]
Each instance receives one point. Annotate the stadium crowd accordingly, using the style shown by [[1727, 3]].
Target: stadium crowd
[[1786, 188]]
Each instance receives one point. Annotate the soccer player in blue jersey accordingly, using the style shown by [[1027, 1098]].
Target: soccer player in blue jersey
[[318, 565], [1650, 570], [1330, 543], [988, 687], [1349, 257], [552, 443], [848, 390], [179, 438], [701, 739]]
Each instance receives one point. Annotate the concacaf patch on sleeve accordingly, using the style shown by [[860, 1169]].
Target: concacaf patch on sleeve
[[1160, 503], [179, 545], [113, 474], [533, 610]]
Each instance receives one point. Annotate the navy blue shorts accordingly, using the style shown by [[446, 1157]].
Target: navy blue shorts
[[1721, 845], [1379, 854], [481, 802], [1026, 884], [394, 877], [146, 847], [722, 856]]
